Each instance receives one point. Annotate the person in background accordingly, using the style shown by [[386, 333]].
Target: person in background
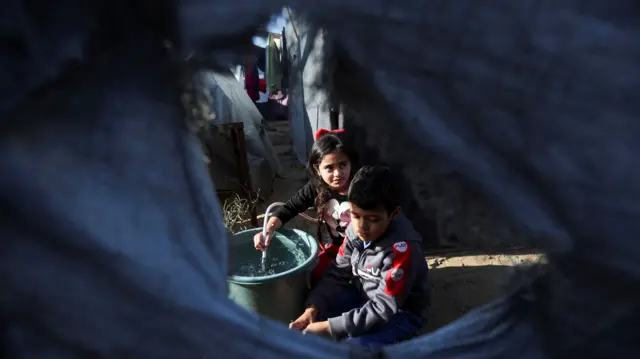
[[330, 168], [375, 291]]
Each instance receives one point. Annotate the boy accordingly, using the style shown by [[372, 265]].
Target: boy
[[375, 291]]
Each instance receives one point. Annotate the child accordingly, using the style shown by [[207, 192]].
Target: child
[[330, 168], [375, 291]]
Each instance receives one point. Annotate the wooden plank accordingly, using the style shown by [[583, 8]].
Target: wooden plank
[[222, 158], [226, 149], [244, 174]]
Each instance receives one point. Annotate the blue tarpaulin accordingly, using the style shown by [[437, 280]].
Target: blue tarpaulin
[[113, 245]]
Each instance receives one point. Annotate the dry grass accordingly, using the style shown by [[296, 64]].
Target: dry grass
[[237, 211], [197, 101]]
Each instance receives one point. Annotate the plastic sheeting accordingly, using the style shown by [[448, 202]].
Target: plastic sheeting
[[112, 238], [232, 104]]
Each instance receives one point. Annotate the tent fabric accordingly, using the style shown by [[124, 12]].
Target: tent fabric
[[232, 104], [309, 105], [274, 68], [113, 244]]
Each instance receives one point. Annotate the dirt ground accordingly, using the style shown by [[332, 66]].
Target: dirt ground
[[460, 281]]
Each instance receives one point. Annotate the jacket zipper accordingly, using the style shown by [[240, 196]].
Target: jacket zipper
[[362, 260]]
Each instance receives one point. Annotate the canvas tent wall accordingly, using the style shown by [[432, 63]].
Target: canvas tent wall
[[309, 106], [232, 104]]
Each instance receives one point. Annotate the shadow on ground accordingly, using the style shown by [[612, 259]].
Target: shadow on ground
[[461, 278], [456, 290]]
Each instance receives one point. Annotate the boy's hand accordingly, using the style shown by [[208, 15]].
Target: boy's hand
[[317, 328], [305, 319]]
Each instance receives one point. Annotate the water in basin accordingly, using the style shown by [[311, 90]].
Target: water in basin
[[284, 253]]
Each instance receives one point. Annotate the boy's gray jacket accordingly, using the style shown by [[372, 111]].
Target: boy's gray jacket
[[391, 273]]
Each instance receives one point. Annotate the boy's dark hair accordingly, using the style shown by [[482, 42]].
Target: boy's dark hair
[[373, 187]]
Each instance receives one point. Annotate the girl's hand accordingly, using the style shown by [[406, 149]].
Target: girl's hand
[[259, 242]]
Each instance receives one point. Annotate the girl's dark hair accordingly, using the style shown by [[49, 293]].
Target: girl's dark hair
[[327, 144]]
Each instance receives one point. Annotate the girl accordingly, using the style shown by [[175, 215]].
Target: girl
[[330, 166]]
